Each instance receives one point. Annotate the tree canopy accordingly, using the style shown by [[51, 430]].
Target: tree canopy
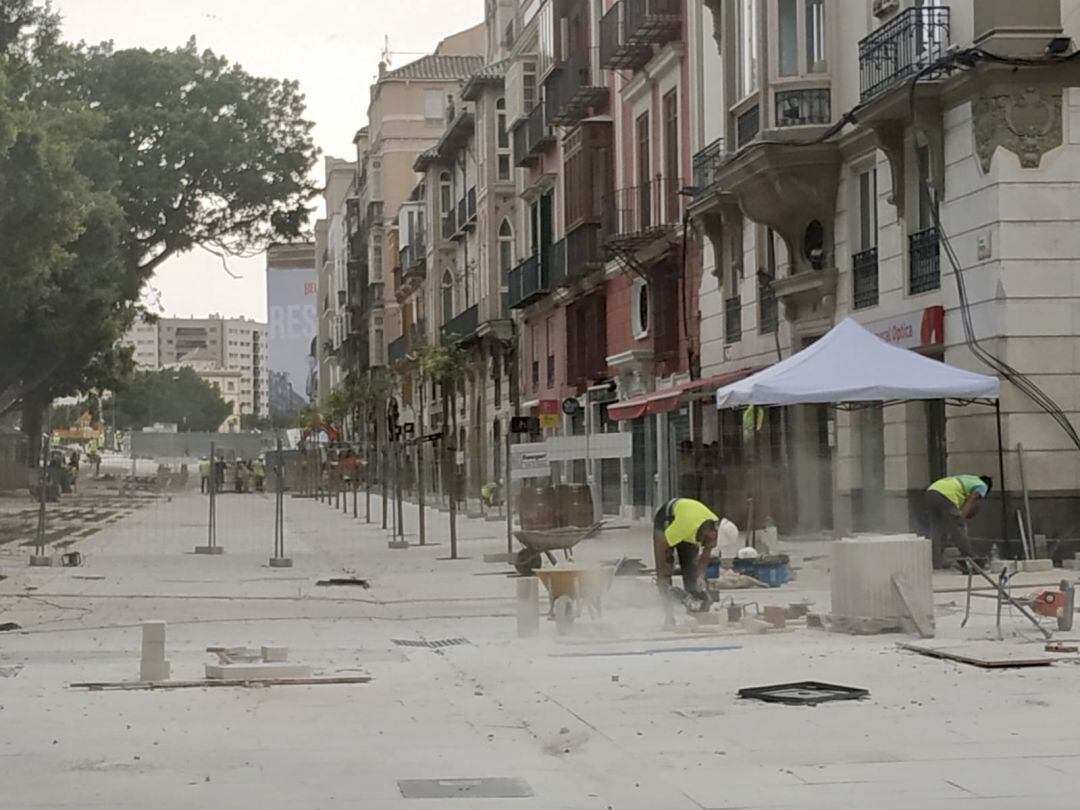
[[169, 396], [112, 162]]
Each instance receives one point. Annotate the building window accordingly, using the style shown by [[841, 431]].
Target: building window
[[506, 260], [815, 36], [446, 204], [768, 310], [747, 38], [434, 111], [639, 308], [447, 297], [503, 142], [671, 154], [812, 24], [644, 173], [789, 37]]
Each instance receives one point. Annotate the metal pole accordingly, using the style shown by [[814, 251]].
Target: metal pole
[[1001, 474], [43, 484], [508, 497], [400, 492], [279, 560], [1027, 501]]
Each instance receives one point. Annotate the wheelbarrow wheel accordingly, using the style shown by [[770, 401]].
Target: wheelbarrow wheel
[[527, 562]]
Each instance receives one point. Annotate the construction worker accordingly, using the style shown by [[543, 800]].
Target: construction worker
[[258, 473], [950, 503], [689, 529], [204, 474]]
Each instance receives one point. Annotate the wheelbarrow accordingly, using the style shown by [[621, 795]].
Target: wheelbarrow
[[573, 589], [540, 544]]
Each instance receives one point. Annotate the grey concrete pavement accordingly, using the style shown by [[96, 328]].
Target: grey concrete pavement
[[615, 719]]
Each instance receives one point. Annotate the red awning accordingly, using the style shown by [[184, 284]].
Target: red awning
[[669, 399]]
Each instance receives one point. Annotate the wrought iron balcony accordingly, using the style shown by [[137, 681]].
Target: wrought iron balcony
[[707, 165], [583, 251], [630, 29], [573, 91], [864, 279], [733, 319], [397, 350], [449, 224], [557, 269], [414, 259], [635, 216], [470, 201], [797, 108], [531, 136], [924, 261], [462, 326], [528, 282], [768, 306], [909, 42]]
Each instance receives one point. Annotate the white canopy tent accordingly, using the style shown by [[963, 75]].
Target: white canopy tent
[[850, 364]]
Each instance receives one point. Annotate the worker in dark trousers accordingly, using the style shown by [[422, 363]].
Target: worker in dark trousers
[[689, 529], [950, 503]]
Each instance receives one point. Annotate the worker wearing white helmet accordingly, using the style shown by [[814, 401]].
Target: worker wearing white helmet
[[691, 530]]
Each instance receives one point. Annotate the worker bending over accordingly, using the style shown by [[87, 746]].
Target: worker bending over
[[950, 503], [690, 529]]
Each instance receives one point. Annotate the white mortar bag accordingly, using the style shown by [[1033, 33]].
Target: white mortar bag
[[727, 537]]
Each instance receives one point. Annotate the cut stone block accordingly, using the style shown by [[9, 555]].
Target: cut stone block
[[710, 619], [398, 544], [1036, 565], [862, 581], [154, 670], [40, 561], [153, 631], [775, 615], [153, 652], [1071, 565], [281, 562], [209, 549], [256, 671], [275, 655], [752, 625]]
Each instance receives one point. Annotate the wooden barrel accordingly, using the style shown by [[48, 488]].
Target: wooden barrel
[[574, 505], [536, 508]]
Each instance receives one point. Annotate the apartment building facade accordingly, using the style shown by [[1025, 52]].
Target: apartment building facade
[[828, 184], [233, 347], [332, 246]]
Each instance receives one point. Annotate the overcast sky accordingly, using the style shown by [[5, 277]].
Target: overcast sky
[[332, 47]]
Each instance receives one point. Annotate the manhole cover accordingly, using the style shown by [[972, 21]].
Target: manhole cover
[[803, 693], [494, 788], [431, 645]]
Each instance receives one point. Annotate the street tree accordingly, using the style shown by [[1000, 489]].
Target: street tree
[[170, 396], [446, 366]]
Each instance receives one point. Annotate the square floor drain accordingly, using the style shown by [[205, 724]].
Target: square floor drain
[[494, 788], [803, 693], [430, 645]]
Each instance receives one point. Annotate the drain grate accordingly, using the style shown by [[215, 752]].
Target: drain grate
[[430, 645], [804, 693], [495, 788]]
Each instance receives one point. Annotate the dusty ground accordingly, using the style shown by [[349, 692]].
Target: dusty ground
[[618, 716]]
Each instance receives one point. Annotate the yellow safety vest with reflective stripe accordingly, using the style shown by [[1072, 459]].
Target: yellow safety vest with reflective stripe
[[688, 517]]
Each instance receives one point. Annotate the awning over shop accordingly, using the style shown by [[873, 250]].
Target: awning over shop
[[669, 399], [850, 364]]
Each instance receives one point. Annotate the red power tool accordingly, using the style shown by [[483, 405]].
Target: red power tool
[[1060, 605]]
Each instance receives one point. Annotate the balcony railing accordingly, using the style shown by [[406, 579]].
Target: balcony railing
[[528, 282], [573, 91], [531, 136], [733, 319], [449, 225], [557, 266], [583, 251], [462, 214], [796, 108], [909, 42], [470, 200], [397, 350], [461, 326], [924, 261], [630, 29], [642, 213], [748, 125], [707, 165], [864, 279]]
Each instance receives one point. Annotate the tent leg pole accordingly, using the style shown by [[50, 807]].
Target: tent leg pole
[[1001, 474]]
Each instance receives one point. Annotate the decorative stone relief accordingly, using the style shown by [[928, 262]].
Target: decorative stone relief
[[718, 34], [1027, 123]]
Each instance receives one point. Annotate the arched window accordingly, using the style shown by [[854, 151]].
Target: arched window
[[506, 259], [503, 139], [446, 206], [447, 297]]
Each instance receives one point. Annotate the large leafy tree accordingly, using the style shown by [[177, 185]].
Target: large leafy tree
[[171, 396], [112, 162]]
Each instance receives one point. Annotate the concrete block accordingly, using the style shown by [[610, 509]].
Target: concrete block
[[153, 631], [40, 561], [500, 557], [756, 626], [212, 550], [275, 655], [281, 562], [862, 578], [1036, 565], [709, 619], [1071, 565], [775, 615], [398, 544], [153, 652], [256, 671], [154, 670]]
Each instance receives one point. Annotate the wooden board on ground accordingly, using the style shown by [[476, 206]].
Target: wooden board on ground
[[117, 686], [988, 655]]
